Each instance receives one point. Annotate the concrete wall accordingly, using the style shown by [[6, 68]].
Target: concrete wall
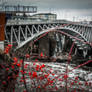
[[2, 45]]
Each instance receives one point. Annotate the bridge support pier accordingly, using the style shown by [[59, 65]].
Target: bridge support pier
[[85, 52], [63, 41], [2, 45], [60, 39]]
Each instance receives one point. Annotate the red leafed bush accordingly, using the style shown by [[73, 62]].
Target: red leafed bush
[[8, 71]]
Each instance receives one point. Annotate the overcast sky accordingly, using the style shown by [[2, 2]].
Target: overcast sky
[[70, 9]]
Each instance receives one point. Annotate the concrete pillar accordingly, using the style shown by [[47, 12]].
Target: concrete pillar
[[2, 45], [85, 52], [63, 42], [75, 51], [44, 46], [2, 26]]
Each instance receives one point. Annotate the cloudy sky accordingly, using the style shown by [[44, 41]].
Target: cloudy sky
[[69, 9]]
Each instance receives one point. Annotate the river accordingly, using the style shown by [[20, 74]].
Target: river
[[78, 80]]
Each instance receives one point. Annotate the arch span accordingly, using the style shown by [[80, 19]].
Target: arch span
[[57, 29]]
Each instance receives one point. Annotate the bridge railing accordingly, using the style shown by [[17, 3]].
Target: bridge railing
[[14, 22], [18, 9]]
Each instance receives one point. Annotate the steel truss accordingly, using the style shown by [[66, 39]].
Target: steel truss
[[22, 34]]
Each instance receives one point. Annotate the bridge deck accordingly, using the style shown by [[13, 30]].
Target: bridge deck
[[29, 22]]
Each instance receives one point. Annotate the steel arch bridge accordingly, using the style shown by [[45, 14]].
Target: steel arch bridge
[[21, 32]]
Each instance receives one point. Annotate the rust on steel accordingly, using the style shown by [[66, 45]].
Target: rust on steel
[[2, 26]]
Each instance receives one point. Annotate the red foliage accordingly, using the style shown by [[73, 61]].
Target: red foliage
[[15, 59], [21, 80], [9, 45], [24, 91], [65, 76], [7, 49], [42, 65], [79, 83], [27, 56], [7, 69], [21, 61], [46, 75], [25, 66], [76, 78], [41, 55], [34, 74], [86, 83], [4, 82], [37, 67], [19, 65], [29, 73], [12, 66]]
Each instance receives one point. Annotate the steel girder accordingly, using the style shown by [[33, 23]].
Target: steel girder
[[22, 34]]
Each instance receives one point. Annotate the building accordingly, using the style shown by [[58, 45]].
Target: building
[[2, 34], [90, 22], [44, 16], [35, 17]]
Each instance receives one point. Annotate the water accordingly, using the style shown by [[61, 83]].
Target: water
[[80, 78]]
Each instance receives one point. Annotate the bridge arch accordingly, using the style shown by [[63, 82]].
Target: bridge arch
[[56, 29]]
